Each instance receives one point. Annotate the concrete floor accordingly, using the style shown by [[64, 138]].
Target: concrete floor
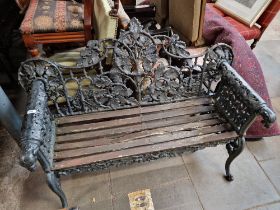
[[191, 182]]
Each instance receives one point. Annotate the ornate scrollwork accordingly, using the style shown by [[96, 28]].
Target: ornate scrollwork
[[36, 125], [234, 148], [135, 52], [33, 69], [93, 54], [214, 57], [169, 84], [144, 69], [238, 102]]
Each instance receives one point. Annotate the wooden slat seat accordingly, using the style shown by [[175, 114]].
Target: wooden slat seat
[[95, 137]]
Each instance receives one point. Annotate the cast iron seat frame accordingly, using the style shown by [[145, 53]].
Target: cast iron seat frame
[[145, 71]]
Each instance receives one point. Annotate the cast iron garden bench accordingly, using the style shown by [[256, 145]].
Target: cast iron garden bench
[[133, 99]]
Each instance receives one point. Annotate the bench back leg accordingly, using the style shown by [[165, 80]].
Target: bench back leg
[[234, 149], [54, 185]]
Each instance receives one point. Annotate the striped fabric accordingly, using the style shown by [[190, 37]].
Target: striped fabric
[[48, 16], [269, 13], [247, 32]]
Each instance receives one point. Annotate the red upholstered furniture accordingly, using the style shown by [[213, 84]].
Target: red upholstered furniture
[[56, 21], [256, 31]]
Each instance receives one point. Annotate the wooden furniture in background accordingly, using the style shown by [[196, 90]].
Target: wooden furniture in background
[[255, 32], [128, 2], [58, 21]]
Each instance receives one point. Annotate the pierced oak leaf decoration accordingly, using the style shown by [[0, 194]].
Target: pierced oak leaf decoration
[[135, 26], [178, 47], [145, 69]]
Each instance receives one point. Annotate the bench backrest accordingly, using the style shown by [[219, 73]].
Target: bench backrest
[[136, 69]]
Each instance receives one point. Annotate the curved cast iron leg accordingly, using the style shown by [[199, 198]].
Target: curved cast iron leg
[[234, 149], [253, 45], [54, 185]]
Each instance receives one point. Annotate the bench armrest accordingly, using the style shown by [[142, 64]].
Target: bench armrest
[[238, 103], [35, 125]]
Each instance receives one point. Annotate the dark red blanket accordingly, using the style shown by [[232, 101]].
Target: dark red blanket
[[215, 30]]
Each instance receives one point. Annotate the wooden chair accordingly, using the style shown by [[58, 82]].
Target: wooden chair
[[58, 21], [254, 33]]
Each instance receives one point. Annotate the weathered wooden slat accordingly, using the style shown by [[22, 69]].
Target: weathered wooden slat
[[132, 111], [98, 125], [131, 120], [177, 105], [176, 112], [99, 133], [197, 140], [155, 125], [158, 137], [98, 116], [135, 127]]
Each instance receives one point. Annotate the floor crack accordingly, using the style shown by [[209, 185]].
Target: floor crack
[[111, 190], [185, 165]]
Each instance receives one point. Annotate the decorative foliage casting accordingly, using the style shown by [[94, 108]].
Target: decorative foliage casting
[[136, 69], [36, 128], [145, 69], [239, 103]]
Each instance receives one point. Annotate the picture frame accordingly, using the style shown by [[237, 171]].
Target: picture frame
[[246, 11]]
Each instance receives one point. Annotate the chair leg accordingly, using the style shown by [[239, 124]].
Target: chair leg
[[234, 149], [31, 45], [34, 51], [253, 45], [54, 185]]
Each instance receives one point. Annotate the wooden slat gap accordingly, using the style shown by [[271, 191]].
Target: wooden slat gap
[[187, 103], [94, 134], [201, 140], [148, 126], [165, 136]]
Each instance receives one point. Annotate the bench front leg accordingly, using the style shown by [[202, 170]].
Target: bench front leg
[[234, 149], [239, 104], [35, 125]]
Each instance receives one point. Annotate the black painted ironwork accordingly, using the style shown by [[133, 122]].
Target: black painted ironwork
[[145, 69], [234, 149], [238, 102], [137, 69]]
